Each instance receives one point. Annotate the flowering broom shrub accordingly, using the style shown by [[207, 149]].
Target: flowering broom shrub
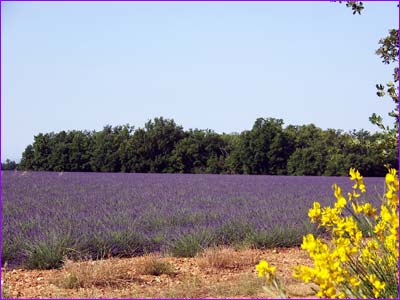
[[348, 264]]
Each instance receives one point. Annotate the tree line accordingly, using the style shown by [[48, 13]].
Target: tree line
[[162, 146]]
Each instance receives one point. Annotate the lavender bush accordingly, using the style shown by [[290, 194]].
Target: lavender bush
[[48, 215]]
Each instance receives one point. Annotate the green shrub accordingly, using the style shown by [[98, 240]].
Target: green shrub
[[281, 237], [46, 254], [10, 251], [186, 246], [190, 245], [233, 233], [118, 244]]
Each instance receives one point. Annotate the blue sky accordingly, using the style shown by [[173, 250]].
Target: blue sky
[[216, 65]]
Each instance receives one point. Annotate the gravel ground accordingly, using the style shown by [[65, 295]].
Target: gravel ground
[[191, 278]]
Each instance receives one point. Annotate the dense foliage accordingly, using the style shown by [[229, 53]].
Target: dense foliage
[[162, 146], [49, 215], [9, 165]]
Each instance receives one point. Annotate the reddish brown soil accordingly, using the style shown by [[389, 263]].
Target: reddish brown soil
[[190, 279]]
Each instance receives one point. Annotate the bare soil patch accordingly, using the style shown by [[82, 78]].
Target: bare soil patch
[[215, 273]]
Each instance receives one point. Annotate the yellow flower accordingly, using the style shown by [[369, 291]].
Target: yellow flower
[[389, 194], [392, 244], [341, 265], [327, 290], [392, 196], [341, 202], [354, 174], [373, 244], [304, 273], [323, 274], [358, 237], [350, 196], [337, 191], [315, 212], [378, 286], [368, 256], [330, 216], [385, 214], [368, 209], [392, 184], [390, 177], [354, 281], [264, 269], [341, 253], [357, 208], [309, 242], [362, 188], [379, 229], [331, 292]]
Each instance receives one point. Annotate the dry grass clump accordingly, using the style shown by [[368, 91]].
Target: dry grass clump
[[244, 285], [94, 273], [152, 265], [109, 272], [225, 258]]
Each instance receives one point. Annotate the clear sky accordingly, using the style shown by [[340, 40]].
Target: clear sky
[[216, 65]]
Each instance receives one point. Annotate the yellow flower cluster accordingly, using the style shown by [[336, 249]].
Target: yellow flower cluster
[[388, 226], [378, 286], [392, 184], [264, 269], [348, 267], [358, 180], [273, 286], [328, 270]]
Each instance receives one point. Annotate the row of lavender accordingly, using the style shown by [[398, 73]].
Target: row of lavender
[[49, 215]]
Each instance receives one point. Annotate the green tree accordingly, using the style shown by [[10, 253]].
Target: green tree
[[58, 158], [41, 152], [232, 163], [80, 151], [317, 152], [27, 159], [200, 151], [263, 149], [9, 165], [163, 147], [107, 145], [149, 149]]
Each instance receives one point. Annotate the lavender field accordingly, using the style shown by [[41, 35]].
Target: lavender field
[[48, 215]]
